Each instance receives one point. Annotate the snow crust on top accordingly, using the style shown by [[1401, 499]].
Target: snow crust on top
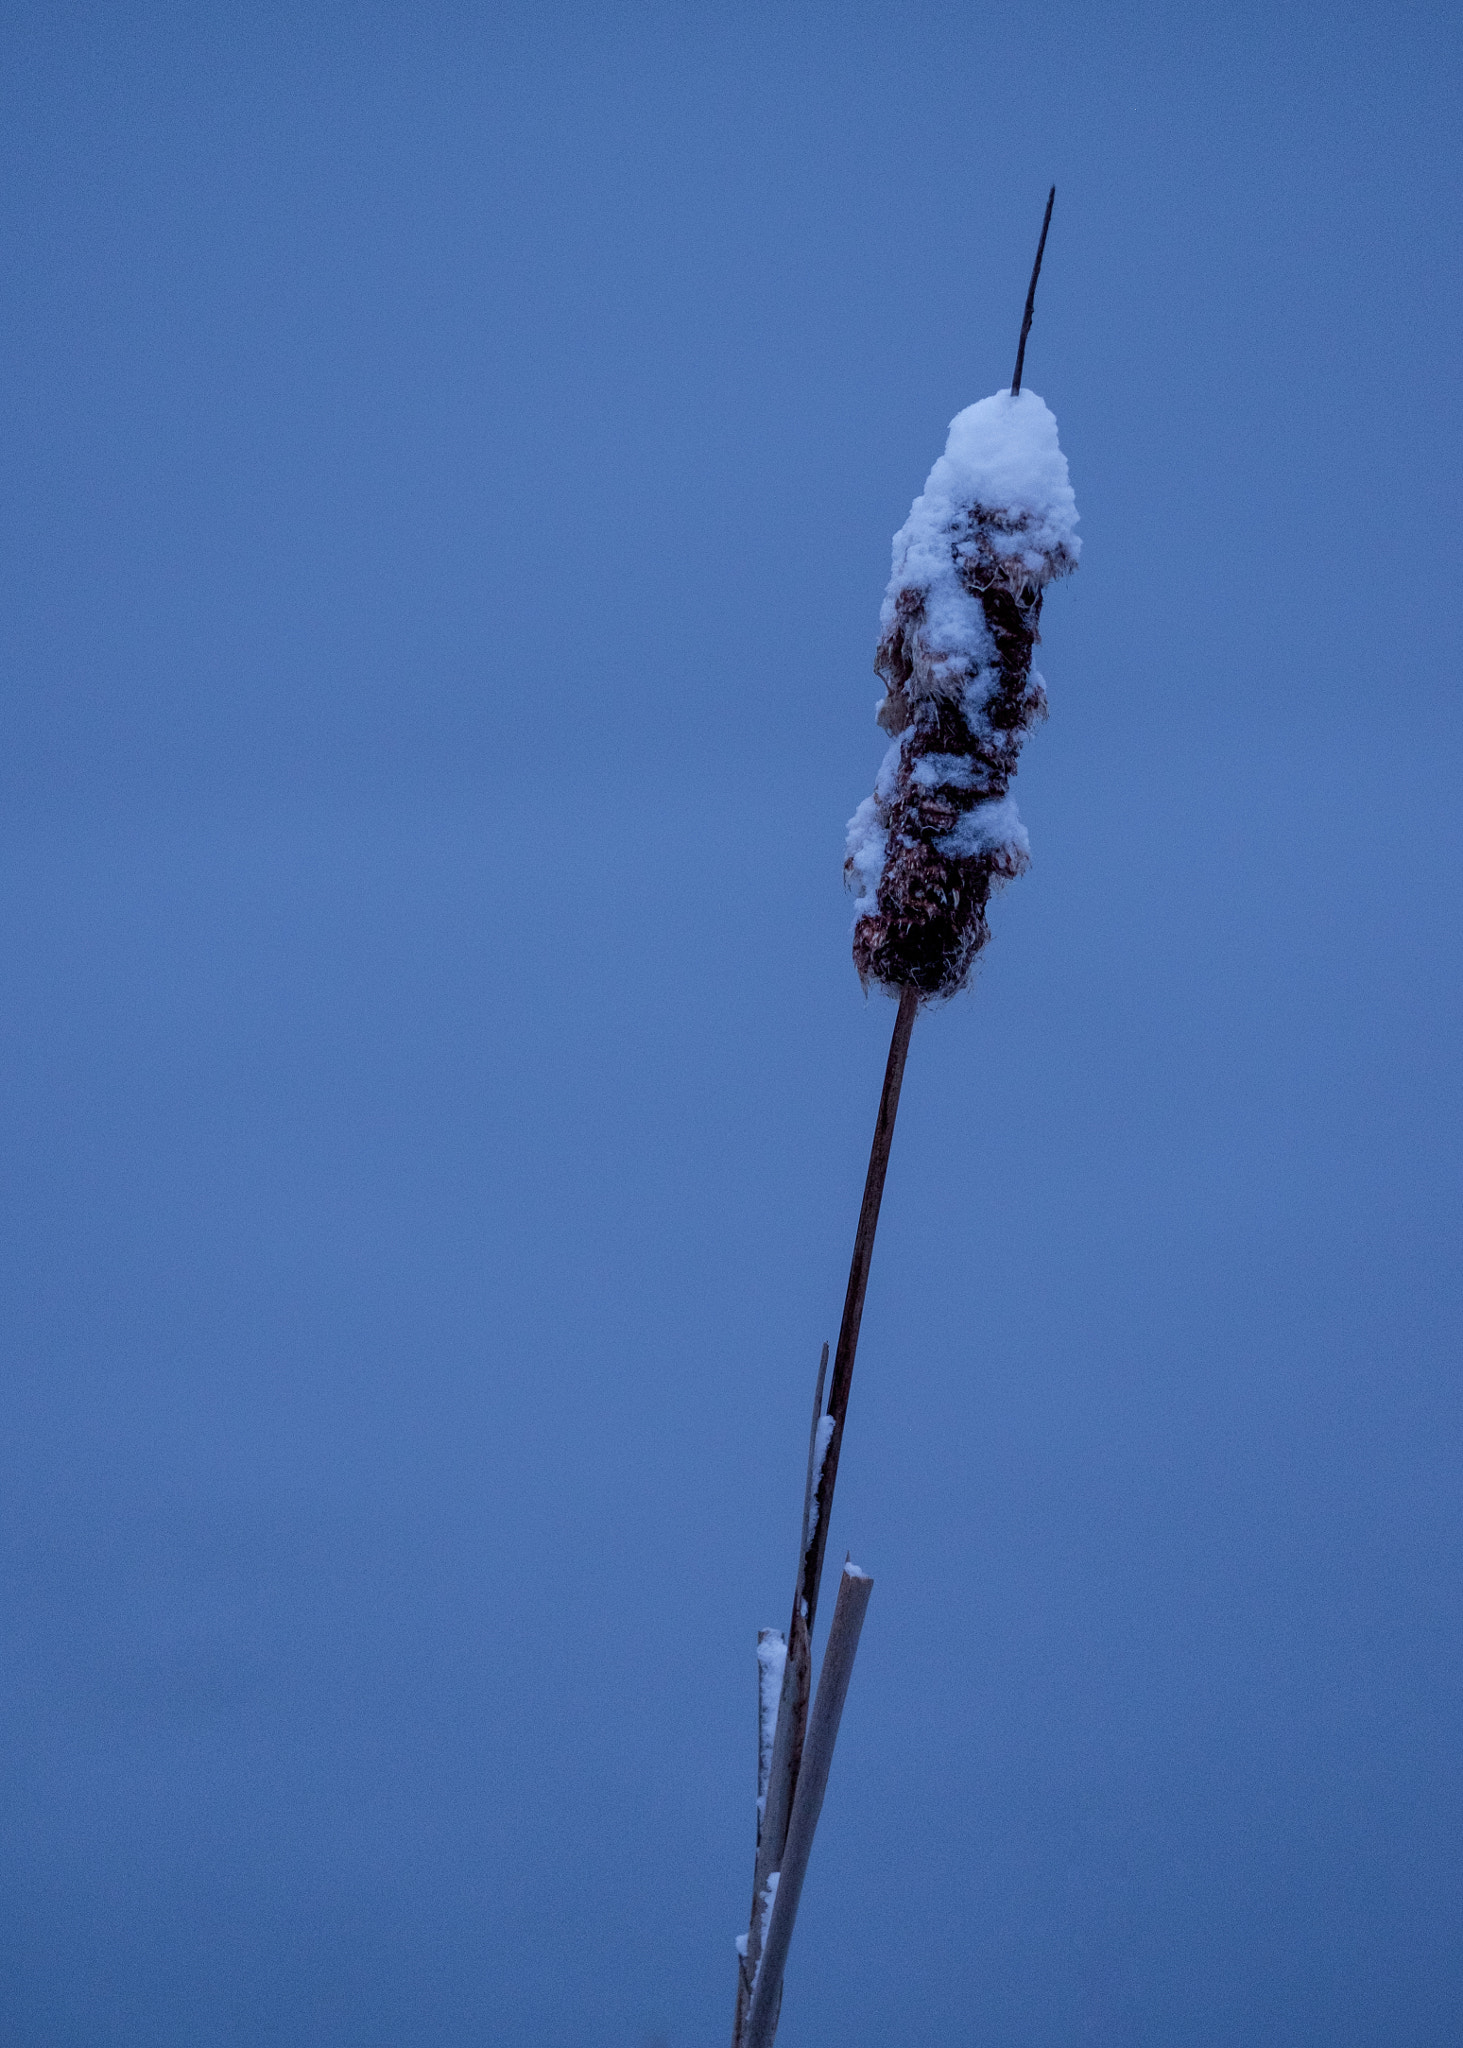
[[995, 523], [1003, 455], [1003, 460]]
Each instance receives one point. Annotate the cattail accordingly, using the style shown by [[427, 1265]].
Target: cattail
[[995, 524]]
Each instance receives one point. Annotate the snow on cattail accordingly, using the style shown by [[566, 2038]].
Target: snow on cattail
[[995, 524]]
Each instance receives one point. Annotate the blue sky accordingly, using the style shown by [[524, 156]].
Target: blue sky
[[450, 457]]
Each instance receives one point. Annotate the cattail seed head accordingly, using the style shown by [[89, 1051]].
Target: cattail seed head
[[995, 524]]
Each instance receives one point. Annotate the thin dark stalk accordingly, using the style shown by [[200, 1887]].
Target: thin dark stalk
[[1031, 294], [805, 1606], [792, 1710]]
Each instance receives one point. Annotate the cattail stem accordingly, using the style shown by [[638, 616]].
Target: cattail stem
[[771, 1657], [777, 1766], [854, 1588], [792, 1710], [812, 1478], [1031, 294], [771, 1665], [853, 1304]]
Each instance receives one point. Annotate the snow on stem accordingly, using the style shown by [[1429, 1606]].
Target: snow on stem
[[854, 1588], [817, 1445], [771, 1658], [777, 1766]]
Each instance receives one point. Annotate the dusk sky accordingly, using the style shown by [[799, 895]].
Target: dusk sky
[[450, 456]]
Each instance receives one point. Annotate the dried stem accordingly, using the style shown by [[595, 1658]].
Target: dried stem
[[792, 1709], [854, 1588], [812, 1477], [771, 1656], [1031, 294], [782, 1779], [777, 1788], [853, 1305], [771, 1662]]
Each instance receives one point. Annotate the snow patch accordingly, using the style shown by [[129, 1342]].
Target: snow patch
[[993, 824], [1003, 461], [771, 1662], [820, 1454]]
